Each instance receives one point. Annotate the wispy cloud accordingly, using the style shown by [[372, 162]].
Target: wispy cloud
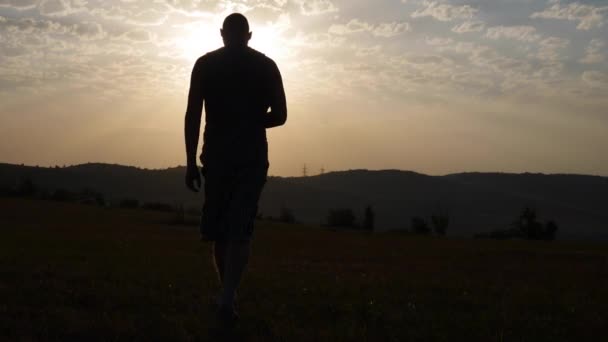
[[523, 33], [317, 7], [444, 11], [587, 16], [19, 4], [595, 52], [379, 30], [469, 26]]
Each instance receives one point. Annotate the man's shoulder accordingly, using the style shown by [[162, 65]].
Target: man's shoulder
[[220, 54], [261, 58], [210, 56]]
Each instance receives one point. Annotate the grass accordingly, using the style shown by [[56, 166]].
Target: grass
[[75, 272]]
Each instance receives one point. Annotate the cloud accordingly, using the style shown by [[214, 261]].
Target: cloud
[[367, 51], [148, 17], [445, 12], [31, 25], [88, 30], [521, 33], [486, 57], [18, 4], [381, 30], [390, 29], [593, 52], [587, 16], [137, 35], [316, 7], [353, 26], [595, 78], [469, 26], [316, 40], [111, 13], [61, 8], [133, 13], [549, 48], [39, 29]]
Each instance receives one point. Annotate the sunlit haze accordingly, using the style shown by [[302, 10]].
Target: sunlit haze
[[430, 86]]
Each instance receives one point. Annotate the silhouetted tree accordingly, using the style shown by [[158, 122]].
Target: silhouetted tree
[[27, 188], [550, 230], [440, 220], [341, 218], [286, 215], [528, 224], [420, 226], [368, 219], [90, 196]]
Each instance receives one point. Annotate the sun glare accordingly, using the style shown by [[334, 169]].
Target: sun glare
[[198, 41], [203, 38], [268, 40]]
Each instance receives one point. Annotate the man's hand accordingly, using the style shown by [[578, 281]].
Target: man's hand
[[193, 178]]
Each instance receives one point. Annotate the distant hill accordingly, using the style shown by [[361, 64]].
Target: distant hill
[[477, 202]]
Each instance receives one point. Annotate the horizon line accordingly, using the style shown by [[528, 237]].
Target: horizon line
[[65, 166]]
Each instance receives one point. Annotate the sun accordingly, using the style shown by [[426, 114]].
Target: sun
[[196, 40]]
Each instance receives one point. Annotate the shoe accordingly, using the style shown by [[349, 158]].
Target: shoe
[[227, 316], [215, 302]]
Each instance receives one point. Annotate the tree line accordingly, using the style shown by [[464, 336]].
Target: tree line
[[527, 224], [26, 188]]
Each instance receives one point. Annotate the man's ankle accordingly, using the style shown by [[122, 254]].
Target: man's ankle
[[226, 300]]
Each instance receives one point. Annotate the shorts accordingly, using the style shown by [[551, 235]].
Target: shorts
[[232, 193]]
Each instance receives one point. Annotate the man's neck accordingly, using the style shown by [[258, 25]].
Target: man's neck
[[236, 47]]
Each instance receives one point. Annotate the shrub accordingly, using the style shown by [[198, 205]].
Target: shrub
[[528, 225], [27, 188], [550, 230], [420, 226], [286, 215], [440, 221], [90, 196]]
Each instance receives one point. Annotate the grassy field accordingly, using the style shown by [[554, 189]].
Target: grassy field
[[75, 272]]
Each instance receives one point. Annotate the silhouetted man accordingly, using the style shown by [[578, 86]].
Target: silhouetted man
[[238, 86]]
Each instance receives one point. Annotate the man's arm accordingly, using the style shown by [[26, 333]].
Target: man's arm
[[192, 126], [278, 105]]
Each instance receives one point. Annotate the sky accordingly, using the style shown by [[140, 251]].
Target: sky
[[432, 86]]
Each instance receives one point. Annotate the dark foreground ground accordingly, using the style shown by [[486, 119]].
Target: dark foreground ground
[[74, 272]]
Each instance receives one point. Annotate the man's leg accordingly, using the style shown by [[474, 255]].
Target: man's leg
[[237, 257], [219, 259], [246, 191]]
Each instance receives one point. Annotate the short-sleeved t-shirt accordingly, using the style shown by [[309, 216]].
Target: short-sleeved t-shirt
[[236, 85]]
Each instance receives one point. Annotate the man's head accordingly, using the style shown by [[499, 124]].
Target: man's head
[[235, 30]]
